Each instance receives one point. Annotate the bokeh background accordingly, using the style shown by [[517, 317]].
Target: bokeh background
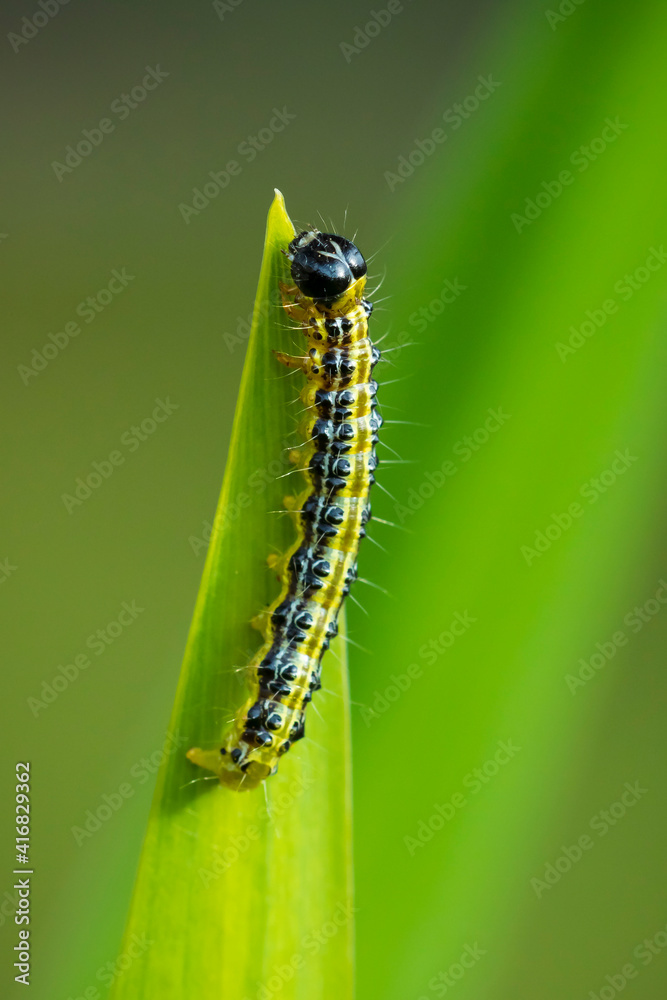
[[558, 325]]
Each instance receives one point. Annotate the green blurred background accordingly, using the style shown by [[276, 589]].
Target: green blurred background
[[445, 860]]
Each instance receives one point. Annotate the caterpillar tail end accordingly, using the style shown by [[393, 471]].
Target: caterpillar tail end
[[227, 772]]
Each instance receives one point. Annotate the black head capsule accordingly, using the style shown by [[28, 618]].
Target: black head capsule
[[324, 265]]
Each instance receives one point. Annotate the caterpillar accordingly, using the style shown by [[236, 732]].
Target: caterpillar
[[340, 431]]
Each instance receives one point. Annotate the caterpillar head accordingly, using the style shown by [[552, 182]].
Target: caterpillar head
[[324, 265]]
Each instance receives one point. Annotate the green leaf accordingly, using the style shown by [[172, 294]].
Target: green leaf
[[246, 894]]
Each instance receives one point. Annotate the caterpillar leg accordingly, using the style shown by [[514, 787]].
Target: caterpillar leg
[[277, 563], [293, 505], [221, 764], [258, 622], [290, 361]]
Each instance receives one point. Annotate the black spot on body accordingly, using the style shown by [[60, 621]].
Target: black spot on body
[[341, 467], [254, 716], [322, 433], [324, 401], [278, 689], [297, 730], [334, 515], [304, 620], [321, 567]]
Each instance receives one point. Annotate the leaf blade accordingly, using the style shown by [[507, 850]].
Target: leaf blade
[[233, 891]]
